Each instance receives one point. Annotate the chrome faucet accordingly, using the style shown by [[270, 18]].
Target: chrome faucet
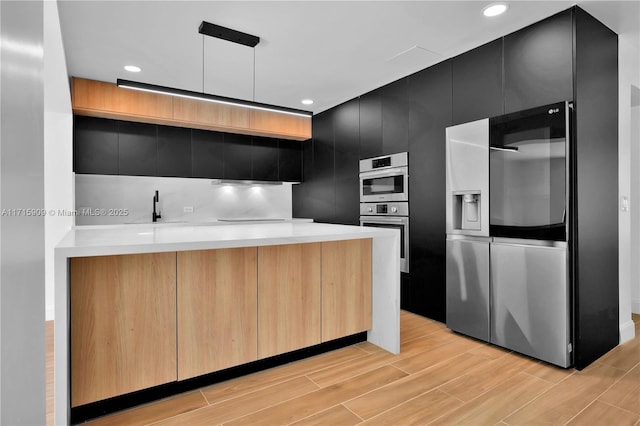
[[156, 199]]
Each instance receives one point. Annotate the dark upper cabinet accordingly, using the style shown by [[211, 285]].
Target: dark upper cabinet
[[237, 156], [207, 157], [174, 151], [95, 145], [322, 192], [290, 160], [264, 158], [477, 83], [371, 124], [430, 106], [347, 159], [395, 117], [137, 149], [538, 63]]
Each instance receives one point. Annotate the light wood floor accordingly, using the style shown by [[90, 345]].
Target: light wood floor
[[439, 378]]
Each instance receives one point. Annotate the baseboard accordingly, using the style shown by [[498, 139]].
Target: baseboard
[[627, 331], [635, 306]]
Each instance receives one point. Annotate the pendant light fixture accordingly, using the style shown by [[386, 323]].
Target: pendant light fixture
[[233, 36]]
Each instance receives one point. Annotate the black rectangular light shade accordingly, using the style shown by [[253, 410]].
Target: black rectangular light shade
[[224, 33], [153, 88]]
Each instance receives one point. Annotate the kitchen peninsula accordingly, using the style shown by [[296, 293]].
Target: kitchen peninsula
[[177, 263]]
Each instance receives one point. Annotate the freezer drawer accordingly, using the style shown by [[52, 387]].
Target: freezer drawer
[[468, 286], [530, 301]]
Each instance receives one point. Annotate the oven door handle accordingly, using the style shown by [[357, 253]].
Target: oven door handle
[[398, 171], [383, 219]]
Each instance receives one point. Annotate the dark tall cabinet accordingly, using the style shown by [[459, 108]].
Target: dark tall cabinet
[[538, 63], [595, 199], [569, 56], [346, 130], [429, 115], [477, 83]]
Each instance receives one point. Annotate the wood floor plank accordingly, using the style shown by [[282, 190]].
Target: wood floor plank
[[568, 398], [335, 416], [433, 356], [490, 351], [549, 372], [154, 411], [320, 400], [346, 370], [625, 393], [419, 410], [438, 359], [479, 380], [240, 406], [413, 326], [369, 347], [624, 357], [600, 413], [394, 394], [494, 405], [242, 385]]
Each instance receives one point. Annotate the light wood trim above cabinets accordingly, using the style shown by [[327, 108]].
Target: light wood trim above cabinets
[[106, 100]]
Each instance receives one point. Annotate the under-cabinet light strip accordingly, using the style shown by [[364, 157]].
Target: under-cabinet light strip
[[152, 88]]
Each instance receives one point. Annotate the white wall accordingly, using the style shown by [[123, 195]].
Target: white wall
[[102, 200], [22, 304], [635, 212], [629, 241], [58, 146]]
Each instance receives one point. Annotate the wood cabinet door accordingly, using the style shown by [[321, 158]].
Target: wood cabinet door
[[100, 99], [123, 324], [346, 288], [217, 308], [288, 298], [209, 115], [270, 123]]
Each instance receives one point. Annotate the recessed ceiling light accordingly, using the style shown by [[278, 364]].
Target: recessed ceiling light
[[132, 68], [307, 101], [495, 9]]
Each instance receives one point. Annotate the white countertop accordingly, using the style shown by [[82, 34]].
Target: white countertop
[[148, 238]]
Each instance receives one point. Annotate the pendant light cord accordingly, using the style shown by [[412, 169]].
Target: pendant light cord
[[254, 74], [203, 63]]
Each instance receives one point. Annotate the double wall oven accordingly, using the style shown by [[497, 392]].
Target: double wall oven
[[384, 197]]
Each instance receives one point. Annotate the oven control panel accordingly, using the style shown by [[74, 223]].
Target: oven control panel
[[384, 209]]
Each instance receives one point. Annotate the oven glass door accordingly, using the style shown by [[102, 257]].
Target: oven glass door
[[387, 185], [400, 223], [528, 174]]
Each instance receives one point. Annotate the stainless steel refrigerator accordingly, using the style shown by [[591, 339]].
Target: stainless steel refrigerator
[[467, 245], [516, 278]]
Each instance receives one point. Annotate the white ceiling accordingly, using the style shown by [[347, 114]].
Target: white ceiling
[[330, 51]]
